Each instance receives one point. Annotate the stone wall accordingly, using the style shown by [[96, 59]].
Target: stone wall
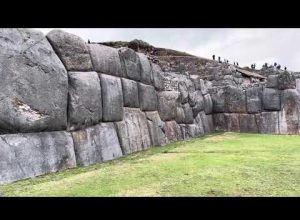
[[65, 103]]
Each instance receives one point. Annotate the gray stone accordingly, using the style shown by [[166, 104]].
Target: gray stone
[[199, 126], [146, 69], [156, 126], [232, 121], [196, 101], [235, 100], [34, 83], [71, 49], [196, 80], [172, 131], [272, 81], [112, 98], [184, 94], [286, 80], [157, 77], [208, 105], [167, 105], [207, 121], [268, 122], [28, 155], [130, 63], [254, 99], [289, 115], [96, 144], [133, 131], [298, 85], [179, 115], [248, 123], [220, 122], [147, 97], [218, 99], [188, 114], [188, 131], [271, 99], [105, 59], [85, 103], [130, 93]]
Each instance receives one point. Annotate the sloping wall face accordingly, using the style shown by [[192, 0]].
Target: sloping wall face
[[65, 103]]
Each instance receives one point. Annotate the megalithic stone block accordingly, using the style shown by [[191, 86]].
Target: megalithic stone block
[[147, 97], [254, 99], [167, 104], [130, 63], [130, 93], [248, 123], [146, 69], [268, 122], [156, 126], [271, 99]]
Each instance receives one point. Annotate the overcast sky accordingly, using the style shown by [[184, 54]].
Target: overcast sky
[[245, 46]]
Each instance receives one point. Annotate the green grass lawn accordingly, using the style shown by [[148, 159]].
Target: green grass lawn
[[221, 164]]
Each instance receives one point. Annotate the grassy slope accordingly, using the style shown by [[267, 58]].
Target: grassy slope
[[228, 164]]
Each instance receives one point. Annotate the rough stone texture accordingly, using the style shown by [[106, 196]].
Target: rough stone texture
[[179, 115], [146, 69], [188, 114], [199, 125], [248, 123], [298, 85], [208, 105], [196, 80], [268, 122], [188, 131], [271, 99], [207, 121], [105, 59], [133, 131], [232, 121], [130, 93], [157, 77], [220, 122], [235, 100], [184, 94], [112, 98], [196, 101], [131, 63], [218, 99], [28, 155], [96, 144], [289, 116], [254, 99], [34, 83], [147, 97], [272, 81], [286, 80], [156, 128], [85, 103], [172, 131], [71, 49], [167, 105]]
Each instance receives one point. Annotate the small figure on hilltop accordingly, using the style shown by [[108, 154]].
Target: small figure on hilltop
[[219, 59], [279, 66], [237, 64], [275, 64], [89, 41], [285, 68], [234, 63], [213, 56]]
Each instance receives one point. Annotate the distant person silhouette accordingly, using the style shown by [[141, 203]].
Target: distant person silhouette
[[213, 56], [89, 41]]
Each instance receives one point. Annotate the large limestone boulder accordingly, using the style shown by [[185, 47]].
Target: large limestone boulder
[[34, 83], [130, 93], [232, 121], [207, 121], [268, 122], [105, 59], [179, 115], [286, 80], [172, 131], [218, 99], [28, 155], [271, 99], [112, 98], [147, 97], [146, 69], [158, 81], [156, 128], [133, 131], [188, 131], [298, 85], [71, 49], [289, 116], [196, 80], [85, 103], [199, 126], [188, 114], [235, 100], [208, 105], [131, 63], [220, 122], [196, 101], [248, 123], [167, 105], [272, 81], [96, 144], [184, 94], [254, 99]]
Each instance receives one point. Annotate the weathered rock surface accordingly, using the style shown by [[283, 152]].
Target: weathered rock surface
[[254, 99], [286, 80], [167, 105], [218, 99], [131, 63], [105, 59], [248, 123], [235, 100], [268, 122], [146, 69], [130, 93], [207, 121], [271, 99], [28, 155], [157, 77], [96, 144], [34, 83], [220, 122], [298, 85], [85, 103], [272, 81], [188, 114], [179, 115], [188, 130], [112, 98], [184, 94], [289, 116], [133, 131], [196, 101], [199, 126], [156, 128], [147, 97], [71, 49], [226, 122], [208, 105], [172, 131]]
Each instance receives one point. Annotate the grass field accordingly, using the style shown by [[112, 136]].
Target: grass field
[[220, 164]]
